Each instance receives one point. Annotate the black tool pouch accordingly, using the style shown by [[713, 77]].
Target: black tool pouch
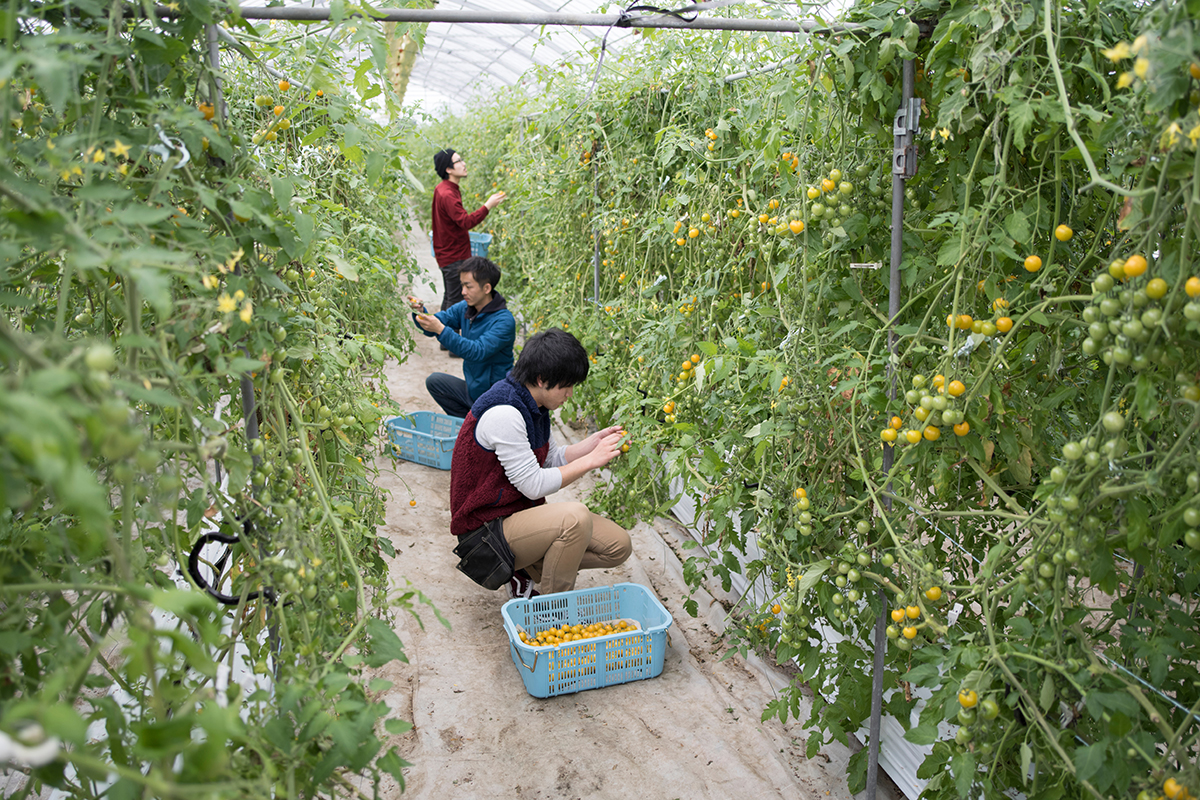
[[484, 555]]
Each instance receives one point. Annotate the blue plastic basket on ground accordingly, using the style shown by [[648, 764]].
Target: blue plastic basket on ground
[[425, 437], [589, 663], [479, 244]]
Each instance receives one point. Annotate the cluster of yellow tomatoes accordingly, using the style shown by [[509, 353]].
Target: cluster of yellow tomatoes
[[906, 622], [1172, 789], [271, 132], [933, 409], [567, 634], [688, 368], [711, 135]]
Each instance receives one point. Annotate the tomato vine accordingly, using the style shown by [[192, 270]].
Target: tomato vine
[[1036, 529], [198, 292]]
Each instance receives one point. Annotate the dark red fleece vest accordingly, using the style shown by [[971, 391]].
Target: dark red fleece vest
[[479, 489]]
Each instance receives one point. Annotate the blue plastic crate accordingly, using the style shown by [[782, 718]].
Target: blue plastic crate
[[479, 244], [425, 437], [548, 671]]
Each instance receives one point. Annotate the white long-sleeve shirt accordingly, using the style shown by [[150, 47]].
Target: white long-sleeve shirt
[[501, 430]]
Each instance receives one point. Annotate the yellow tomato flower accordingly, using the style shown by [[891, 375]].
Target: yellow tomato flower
[[239, 296], [1194, 135], [225, 303], [120, 149], [1171, 135], [235, 258], [123, 169], [247, 311], [1141, 66], [1119, 52], [98, 156], [1125, 80], [65, 175], [210, 281], [1139, 44]]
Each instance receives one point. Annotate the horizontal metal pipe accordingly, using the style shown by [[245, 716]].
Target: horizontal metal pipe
[[309, 14]]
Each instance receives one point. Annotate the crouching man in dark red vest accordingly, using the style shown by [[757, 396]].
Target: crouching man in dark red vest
[[506, 462]]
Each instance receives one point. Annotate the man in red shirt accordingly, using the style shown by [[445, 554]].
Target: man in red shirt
[[451, 222]]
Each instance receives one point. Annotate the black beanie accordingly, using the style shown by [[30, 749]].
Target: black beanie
[[442, 161]]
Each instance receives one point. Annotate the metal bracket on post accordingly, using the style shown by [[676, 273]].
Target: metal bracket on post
[[907, 124]]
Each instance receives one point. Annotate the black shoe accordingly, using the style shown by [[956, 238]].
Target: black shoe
[[443, 347]]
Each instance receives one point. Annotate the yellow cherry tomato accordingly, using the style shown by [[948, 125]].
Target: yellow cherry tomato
[[1033, 263], [968, 698], [1063, 233], [1134, 266]]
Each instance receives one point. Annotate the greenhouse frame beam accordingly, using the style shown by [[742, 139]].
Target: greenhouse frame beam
[[309, 14]]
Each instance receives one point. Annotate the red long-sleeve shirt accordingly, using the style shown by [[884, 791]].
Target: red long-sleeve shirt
[[451, 223]]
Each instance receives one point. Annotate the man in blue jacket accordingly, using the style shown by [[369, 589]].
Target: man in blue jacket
[[484, 341]]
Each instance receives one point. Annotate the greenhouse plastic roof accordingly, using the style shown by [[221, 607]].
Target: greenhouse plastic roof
[[463, 62]]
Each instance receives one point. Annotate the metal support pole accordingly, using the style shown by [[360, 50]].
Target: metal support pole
[[484, 17], [595, 238], [904, 166]]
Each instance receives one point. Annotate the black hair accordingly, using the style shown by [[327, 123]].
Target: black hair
[[481, 269], [442, 161], [554, 357]]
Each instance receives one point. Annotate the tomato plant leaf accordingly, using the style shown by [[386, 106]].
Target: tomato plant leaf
[[1089, 759], [1016, 225], [963, 766], [1046, 695], [925, 733]]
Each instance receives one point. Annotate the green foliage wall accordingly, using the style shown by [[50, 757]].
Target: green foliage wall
[[1043, 492]]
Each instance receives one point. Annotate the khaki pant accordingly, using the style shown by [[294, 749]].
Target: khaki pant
[[552, 542]]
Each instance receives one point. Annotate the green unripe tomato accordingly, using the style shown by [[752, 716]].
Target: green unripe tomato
[[989, 709], [887, 559], [100, 358], [1113, 422]]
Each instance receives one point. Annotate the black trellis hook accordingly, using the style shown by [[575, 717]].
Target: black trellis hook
[[194, 571]]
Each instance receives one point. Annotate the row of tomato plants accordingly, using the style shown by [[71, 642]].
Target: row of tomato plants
[[1032, 536], [181, 242]]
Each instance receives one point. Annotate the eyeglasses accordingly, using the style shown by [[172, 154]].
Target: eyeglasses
[[460, 161]]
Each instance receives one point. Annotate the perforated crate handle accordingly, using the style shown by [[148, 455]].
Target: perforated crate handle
[[536, 656]]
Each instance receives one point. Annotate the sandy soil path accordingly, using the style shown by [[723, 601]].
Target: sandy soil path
[[693, 732]]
